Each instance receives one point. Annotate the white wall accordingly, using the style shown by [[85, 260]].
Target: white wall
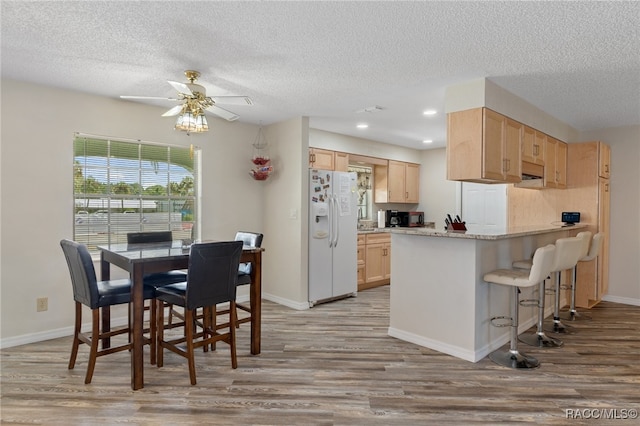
[[437, 194], [362, 146], [285, 214], [38, 125], [624, 254]]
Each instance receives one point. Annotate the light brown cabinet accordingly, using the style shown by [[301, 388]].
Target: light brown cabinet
[[555, 164], [325, 159], [321, 159], [377, 260], [533, 144], [396, 182], [483, 146], [361, 260], [589, 194], [604, 161], [341, 161]]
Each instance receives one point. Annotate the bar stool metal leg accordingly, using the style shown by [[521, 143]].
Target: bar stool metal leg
[[572, 314], [513, 358], [539, 339], [557, 326]]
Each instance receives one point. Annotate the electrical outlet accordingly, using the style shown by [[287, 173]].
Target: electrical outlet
[[42, 304]]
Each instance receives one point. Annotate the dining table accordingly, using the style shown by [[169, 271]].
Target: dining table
[[142, 259]]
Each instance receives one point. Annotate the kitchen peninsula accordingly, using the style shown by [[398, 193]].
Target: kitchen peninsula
[[438, 297]]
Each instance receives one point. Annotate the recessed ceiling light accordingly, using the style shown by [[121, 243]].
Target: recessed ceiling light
[[427, 141], [362, 126], [430, 112]]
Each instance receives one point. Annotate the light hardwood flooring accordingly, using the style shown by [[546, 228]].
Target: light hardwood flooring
[[334, 364]]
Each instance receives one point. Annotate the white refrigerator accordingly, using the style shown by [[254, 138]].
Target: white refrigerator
[[333, 223]]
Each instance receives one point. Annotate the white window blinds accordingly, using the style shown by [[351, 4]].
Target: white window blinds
[[124, 186]]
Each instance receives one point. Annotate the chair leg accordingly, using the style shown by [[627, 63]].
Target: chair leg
[[513, 358], [188, 325], [153, 332], [572, 314], [159, 333], [76, 333], [558, 326], [232, 333], [539, 339], [95, 338]]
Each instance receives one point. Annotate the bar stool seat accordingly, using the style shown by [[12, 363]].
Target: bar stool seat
[[519, 278], [594, 250]]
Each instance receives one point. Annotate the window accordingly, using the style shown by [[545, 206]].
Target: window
[[124, 186]]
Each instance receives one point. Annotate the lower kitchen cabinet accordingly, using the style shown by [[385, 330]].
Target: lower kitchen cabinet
[[377, 260], [361, 260]]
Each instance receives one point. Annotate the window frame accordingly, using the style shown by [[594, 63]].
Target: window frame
[[103, 215]]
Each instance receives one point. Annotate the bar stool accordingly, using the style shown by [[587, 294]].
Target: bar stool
[[567, 260], [519, 278], [564, 248], [594, 251]]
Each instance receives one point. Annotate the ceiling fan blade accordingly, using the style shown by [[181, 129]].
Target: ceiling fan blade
[[232, 100], [173, 111], [181, 87], [149, 97], [220, 112]]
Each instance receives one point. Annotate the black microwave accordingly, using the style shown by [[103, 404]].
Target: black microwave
[[411, 219]]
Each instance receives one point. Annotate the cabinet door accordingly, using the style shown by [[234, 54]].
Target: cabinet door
[[604, 160], [395, 181], [539, 146], [561, 164], [494, 133], [412, 183], [550, 163], [511, 157], [604, 201], [380, 184], [528, 142], [341, 161], [386, 255], [321, 159], [374, 265]]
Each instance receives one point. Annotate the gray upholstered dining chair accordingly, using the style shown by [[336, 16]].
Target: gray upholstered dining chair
[[88, 291], [212, 278]]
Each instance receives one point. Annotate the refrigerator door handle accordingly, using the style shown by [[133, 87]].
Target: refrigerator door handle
[[330, 221], [337, 220]]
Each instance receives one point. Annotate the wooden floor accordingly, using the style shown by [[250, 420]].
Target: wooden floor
[[335, 365]]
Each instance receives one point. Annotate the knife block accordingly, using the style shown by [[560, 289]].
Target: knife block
[[456, 226]]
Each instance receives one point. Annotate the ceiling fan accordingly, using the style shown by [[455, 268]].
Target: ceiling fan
[[194, 99]]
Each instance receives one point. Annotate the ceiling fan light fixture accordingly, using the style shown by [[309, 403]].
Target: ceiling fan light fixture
[[192, 121]]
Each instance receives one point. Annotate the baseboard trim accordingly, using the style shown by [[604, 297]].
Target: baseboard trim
[[623, 300]]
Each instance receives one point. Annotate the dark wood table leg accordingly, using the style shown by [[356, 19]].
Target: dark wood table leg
[[105, 275], [255, 296], [137, 324]]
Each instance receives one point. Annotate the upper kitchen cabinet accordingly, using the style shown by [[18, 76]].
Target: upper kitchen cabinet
[[341, 161], [325, 159], [396, 182], [555, 163], [533, 144], [483, 146], [604, 160]]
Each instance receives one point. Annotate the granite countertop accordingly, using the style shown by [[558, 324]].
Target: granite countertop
[[487, 234], [373, 230], [427, 225]]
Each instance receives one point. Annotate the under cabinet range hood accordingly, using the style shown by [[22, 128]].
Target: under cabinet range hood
[[532, 176]]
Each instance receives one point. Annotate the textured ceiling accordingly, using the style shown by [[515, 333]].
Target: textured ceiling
[[578, 61]]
